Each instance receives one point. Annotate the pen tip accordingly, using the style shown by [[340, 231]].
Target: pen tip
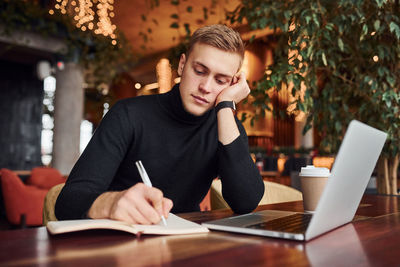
[[164, 220]]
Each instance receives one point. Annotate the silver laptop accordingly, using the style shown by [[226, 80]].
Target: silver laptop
[[350, 174]]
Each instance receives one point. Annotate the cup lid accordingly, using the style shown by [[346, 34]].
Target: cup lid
[[311, 170]]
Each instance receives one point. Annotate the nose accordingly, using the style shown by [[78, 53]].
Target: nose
[[206, 85]]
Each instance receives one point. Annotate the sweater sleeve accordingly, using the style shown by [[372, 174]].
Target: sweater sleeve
[[242, 185], [96, 167]]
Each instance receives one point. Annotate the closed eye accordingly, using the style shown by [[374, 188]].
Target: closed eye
[[199, 72], [221, 81]]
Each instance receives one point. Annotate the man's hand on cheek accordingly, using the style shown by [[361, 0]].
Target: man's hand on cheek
[[236, 91]]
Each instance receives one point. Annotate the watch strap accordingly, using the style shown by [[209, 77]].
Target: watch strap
[[225, 104]]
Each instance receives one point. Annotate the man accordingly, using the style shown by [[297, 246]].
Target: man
[[185, 138]]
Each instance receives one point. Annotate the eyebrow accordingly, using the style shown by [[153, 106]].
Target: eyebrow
[[218, 74]]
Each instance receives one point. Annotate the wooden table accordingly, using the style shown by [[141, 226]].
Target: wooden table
[[373, 239]]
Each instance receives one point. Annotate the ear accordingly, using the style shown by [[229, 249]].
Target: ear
[[182, 62]]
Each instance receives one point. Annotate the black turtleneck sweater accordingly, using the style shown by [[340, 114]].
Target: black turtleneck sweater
[[179, 151]]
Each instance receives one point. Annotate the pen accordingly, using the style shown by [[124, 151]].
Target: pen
[[146, 181]]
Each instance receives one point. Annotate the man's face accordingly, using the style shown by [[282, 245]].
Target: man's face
[[204, 74]]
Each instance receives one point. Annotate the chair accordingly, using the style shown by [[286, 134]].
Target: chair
[[23, 203], [50, 202], [45, 177], [277, 193], [274, 193]]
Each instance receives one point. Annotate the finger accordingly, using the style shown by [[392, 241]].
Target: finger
[[137, 217], [148, 211], [241, 78], [155, 197], [234, 80], [243, 83], [167, 206], [242, 75], [128, 214], [131, 203]]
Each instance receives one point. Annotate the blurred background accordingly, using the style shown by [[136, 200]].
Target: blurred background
[[58, 83]]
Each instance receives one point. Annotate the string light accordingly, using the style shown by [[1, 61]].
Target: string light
[[94, 15]]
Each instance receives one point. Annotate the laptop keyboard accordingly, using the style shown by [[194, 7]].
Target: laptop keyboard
[[296, 223]]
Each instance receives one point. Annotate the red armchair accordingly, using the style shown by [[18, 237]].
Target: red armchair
[[27, 200], [21, 201], [45, 177]]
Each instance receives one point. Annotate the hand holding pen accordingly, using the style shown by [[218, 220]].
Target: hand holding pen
[[139, 204], [146, 181]]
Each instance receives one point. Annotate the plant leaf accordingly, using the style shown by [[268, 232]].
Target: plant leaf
[[324, 59], [174, 25], [395, 28], [340, 44]]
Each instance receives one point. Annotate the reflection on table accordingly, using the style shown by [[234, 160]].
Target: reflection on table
[[371, 239]]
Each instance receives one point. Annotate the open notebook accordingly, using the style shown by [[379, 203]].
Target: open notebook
[[175, 226]]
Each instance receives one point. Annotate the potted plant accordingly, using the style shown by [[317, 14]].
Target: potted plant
[[340, 60]]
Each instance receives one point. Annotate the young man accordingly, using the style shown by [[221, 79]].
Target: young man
[[185, 138]]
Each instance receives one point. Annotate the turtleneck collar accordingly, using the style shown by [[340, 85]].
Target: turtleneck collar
[[172, 103]]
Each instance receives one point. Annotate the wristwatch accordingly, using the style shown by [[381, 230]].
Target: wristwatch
[[225, 104]]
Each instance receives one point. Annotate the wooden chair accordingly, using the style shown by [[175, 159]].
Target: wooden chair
[[277, 193], [274, 193], [50, 202]]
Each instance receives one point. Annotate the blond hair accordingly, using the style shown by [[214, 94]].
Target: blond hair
[[218, 36]]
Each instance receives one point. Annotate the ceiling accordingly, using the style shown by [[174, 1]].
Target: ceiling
[[143, 17], [128, 18]]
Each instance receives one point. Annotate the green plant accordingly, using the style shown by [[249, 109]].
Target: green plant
[[340, 59], [101, 59], [179, 9]]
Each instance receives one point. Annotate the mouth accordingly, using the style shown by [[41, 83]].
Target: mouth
[[200, 100]]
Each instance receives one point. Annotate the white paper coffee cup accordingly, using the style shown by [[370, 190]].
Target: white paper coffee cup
[[313, 181]]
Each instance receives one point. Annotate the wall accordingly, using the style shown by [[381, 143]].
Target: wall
[[20, 116], [269, 131]]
